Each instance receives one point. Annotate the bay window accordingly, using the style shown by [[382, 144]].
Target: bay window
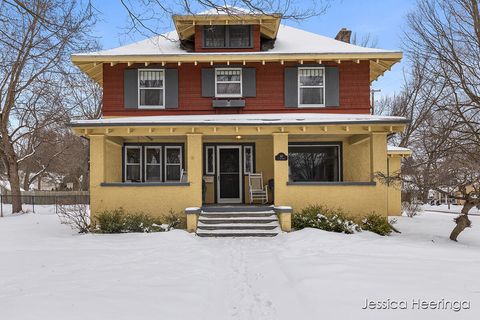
[[311, 87], [314, 162], [152, 162], [173, 163], [151, 90], [228, 82], [133, 159]]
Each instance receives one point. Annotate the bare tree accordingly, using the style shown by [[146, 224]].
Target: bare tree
[[367, 40], [442, 97], [36, 38], [149, 16]]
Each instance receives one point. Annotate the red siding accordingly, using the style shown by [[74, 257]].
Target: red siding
[[199, 41], [354, 91]]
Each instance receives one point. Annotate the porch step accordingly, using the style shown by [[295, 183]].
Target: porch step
[[238, 233], [235, 221]]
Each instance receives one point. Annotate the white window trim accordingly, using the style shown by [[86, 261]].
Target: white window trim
[[229, 95], [300, 105], [153, 164], [162, 71], [172, 164], [245, 159], [206, 160], [339, 157], [132, 164]]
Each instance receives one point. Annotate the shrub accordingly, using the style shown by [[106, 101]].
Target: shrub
[[411, 209], [321, 217], [76, 215], [120, 221], [377, 223], [111, 221]]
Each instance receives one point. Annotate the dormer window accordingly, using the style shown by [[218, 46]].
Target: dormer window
[[231, 36]]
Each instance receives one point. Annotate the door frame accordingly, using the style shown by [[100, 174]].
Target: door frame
[[240, 173]]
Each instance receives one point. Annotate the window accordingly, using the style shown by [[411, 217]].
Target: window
[[232, 36], [173, 163], [228, 82], [210, 160], [239, 36], [248, 159], [133, 159], [153, 164], [314, 162], [151, 93], [311, 87]]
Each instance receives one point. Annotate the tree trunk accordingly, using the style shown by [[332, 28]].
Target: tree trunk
[[26, 180], [462, 220], [12, 166]]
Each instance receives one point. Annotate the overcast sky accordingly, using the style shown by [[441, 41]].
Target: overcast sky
[[383, 19]]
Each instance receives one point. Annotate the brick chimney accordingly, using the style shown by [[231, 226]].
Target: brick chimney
[[344, 35]]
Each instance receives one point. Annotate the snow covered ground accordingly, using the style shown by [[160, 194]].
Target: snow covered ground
[[49, 272], [452, 209]]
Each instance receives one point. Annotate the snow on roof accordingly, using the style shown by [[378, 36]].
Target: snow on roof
[[289, 40], [227, 10], [398, 150], [244, 119]]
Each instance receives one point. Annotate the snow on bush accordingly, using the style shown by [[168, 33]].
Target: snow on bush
[[321, 217], [377, 224], [120, 221]]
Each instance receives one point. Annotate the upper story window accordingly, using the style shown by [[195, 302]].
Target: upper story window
[[151, 89], [232, 36], [228, 82], [311, 87]]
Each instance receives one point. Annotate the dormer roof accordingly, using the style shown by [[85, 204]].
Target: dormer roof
[[269, 22]]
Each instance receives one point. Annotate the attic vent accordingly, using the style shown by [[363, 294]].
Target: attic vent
[[344, 35]]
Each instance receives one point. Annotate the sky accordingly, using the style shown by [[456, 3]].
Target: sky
[[382, 19]]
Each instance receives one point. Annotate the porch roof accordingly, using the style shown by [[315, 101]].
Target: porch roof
[[273, 119]]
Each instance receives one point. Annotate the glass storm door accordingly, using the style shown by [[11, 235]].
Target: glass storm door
[[229, 174]]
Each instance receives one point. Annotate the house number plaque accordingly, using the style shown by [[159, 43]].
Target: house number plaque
[[281, 157]]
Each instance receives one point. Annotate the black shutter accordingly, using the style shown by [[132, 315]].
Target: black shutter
[[291, 87], [249, 86], [130, 89], [208, 82], [171, 88], [332, 87]]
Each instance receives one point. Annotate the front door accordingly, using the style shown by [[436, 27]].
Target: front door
[[229, 174]]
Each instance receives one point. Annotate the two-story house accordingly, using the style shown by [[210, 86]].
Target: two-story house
[[189, 114]]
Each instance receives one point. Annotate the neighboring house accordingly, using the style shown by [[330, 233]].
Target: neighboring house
[[196, 110]]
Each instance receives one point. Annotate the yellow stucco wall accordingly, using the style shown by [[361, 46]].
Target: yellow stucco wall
[[359, 161], [395, 189]]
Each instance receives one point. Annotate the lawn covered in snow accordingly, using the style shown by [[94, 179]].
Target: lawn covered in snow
[[49, 272]]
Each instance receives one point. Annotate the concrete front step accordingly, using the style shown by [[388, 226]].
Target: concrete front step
[[233, 214], [236, 208], [236, 219], [238, 233], [238, 226]]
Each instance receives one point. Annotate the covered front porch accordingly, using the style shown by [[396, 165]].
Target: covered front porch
[[156, 167]]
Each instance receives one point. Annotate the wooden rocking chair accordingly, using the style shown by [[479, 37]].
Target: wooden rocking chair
[[258, 191]]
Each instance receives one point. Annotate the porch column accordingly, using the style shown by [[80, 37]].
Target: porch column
[[195, 176], [97, 160], [378, 164], [97, 171], [280, 176]]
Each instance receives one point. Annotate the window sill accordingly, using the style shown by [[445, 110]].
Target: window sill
[[144, 184], [330, 183], [311, 106], [151, 107]]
